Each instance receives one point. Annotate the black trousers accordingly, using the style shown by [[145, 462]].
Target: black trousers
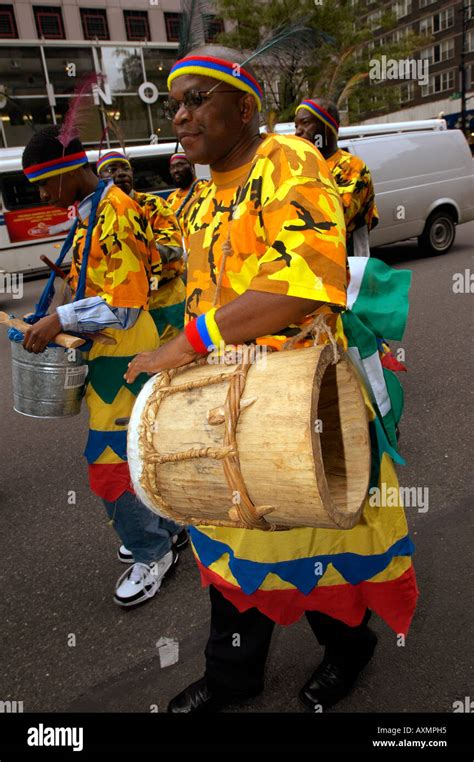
[[238, 645]]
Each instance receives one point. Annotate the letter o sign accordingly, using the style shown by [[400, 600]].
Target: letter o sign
[[148, 92]]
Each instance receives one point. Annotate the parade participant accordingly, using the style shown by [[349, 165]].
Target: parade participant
[[113, 249], [268, 236], [182, 172], [167, 292], [318, 121]]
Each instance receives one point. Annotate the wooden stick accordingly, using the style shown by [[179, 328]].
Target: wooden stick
[[63, 339], [53, 267]]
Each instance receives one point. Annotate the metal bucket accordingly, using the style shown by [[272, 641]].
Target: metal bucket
[[47, 385]]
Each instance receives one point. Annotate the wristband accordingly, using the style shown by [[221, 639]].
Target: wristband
[[213, 329], [192, 335], [203, 333]]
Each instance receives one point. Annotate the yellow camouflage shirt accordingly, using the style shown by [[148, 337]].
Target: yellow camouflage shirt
[[167, 234], [287, 232], [121, 254], [176, 197], [354, 183]]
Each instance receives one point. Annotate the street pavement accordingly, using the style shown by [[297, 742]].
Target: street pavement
[[66, 646]]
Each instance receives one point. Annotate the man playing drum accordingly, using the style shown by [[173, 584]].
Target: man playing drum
[[271, 224]]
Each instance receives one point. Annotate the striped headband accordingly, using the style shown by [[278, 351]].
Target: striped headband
[[109, 158], [207, 66], [321, 114], [178, 157], [55, 166]]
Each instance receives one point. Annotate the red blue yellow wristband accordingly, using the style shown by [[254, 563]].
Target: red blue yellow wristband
[[192, 334], [203, 333]]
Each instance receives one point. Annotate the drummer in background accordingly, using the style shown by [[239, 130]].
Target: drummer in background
[[182, 172], [167, 292], [121, 252], [272, 218], [318, 121]]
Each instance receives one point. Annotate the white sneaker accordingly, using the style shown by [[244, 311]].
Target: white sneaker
[[142, 581]]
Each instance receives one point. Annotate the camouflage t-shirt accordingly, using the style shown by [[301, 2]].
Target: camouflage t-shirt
[[177, 197], [287, 232], [167, 233], [121, 254], [354, 183]]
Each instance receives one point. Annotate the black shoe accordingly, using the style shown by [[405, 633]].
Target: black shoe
[[198, 697], [182, 539], [331, 682]]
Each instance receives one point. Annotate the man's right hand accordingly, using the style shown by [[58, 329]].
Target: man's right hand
[[173, 354]]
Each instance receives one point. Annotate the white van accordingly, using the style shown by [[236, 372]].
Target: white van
[[29, 228], [423, 175]]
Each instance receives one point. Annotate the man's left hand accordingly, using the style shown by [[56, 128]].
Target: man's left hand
[[41, 333]]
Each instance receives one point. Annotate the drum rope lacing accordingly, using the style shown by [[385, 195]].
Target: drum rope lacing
[[243, 513]]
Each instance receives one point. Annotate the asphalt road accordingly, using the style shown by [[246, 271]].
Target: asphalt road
[[58, 560]]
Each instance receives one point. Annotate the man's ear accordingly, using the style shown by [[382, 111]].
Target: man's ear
[[248, 106]]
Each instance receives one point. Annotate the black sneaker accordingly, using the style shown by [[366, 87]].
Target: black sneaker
[[180, 540]]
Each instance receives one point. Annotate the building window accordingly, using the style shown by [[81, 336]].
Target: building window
[[439, 83], [443, 20], [407, 92], [424, 3], [402, 8], [136, 25], [8, 28], [374, 20], [49, 22], [172, 23], [213, 26], [426, 26], [470, 42], [438, 53], [94, 24]]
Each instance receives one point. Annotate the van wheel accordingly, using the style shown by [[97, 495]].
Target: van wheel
[[439, 233]]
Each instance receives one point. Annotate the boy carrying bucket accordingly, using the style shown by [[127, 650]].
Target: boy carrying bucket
[[114, 258]]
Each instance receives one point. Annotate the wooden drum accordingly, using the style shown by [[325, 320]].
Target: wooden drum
[[274, 443]]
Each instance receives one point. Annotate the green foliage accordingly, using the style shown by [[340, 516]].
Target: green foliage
[[338, 71]]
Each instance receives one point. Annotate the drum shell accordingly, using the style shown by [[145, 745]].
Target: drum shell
[[313, 474], [47, 385]]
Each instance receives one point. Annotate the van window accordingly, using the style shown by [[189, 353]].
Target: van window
[[17, 192], [151, 174], [399, 157]]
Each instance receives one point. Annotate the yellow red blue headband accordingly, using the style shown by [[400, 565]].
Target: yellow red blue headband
[[55, 166], [321, 113], [179, 157], [217, 68], [110, 158]]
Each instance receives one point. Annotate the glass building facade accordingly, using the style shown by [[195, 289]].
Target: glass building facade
[[38, 80]]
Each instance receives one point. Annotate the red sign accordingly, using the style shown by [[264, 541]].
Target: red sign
[[36, 223]]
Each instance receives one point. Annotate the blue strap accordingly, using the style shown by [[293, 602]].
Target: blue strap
[[46, 297], [48, 292], [81, 286]]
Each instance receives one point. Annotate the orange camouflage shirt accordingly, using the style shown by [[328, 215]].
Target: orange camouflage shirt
[[121, 254], [287, 231], [354, 183]]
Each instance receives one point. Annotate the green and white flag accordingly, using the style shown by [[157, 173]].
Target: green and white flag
[[377, 308]]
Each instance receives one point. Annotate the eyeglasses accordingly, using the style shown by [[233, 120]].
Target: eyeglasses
[[191, 101]]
